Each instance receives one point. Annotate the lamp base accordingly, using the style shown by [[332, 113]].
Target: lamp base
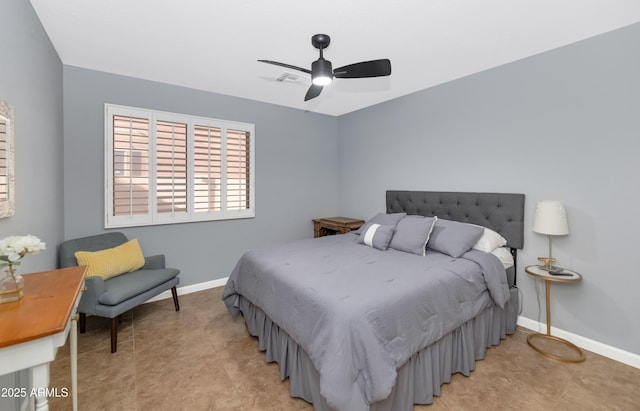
[[548, 264]]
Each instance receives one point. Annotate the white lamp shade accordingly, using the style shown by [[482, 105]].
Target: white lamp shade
[[550, 218]]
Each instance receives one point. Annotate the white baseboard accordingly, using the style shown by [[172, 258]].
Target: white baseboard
[[586, 343], [582, 342], [188, 289]]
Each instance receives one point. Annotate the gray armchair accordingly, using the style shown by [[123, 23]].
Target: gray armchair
[[112, 297]]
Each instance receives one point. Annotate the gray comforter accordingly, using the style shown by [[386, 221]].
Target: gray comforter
[[360, 313]]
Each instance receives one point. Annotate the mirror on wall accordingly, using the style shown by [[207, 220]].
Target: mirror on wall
[[7, 186]]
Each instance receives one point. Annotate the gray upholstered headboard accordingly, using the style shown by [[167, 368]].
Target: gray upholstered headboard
[[503, 213]]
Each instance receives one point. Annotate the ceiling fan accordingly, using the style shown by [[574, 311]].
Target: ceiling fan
[[322, 73]]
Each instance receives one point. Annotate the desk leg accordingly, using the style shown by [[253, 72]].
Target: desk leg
[[40, 380], [74, 361]]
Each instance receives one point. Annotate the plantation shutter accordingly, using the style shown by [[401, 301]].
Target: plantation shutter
[[207, 191], [130, 166], [171, 167], [4, 163], [164, 168], [238, 170]]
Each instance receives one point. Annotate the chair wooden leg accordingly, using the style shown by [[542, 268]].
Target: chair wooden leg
[[83, 323], [174, 293], [114, 334]]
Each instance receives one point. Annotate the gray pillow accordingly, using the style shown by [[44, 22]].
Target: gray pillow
[[377, 236], [453, 238], [382, 219], [412, 234]]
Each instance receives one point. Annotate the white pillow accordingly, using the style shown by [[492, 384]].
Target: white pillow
[[489, 241], [504, 255]]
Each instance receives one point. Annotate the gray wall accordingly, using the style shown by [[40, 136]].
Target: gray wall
[[296, 171], [31, 81], [560, 125]]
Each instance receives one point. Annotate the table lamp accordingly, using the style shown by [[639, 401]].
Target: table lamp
[[550, 218]]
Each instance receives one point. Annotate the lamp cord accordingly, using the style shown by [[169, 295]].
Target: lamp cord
[[520, 295], [537, 282]]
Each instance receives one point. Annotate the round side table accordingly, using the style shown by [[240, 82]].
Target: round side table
[[538, 272]]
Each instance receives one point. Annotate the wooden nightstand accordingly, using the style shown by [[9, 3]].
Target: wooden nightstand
[[538, 272], [335, 225]]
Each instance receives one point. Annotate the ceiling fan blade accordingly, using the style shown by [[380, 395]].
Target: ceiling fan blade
[[276, 63], [313, 92], [373, 68]]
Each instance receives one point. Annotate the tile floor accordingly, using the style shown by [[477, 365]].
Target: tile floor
[[200, 359]]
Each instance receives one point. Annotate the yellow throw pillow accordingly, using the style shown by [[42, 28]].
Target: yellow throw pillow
[[111, 262]]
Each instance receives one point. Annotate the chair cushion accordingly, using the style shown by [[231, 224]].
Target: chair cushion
[[129, 285], [111, 262]]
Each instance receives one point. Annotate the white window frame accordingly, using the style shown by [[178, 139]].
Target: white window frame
[[153, 217]]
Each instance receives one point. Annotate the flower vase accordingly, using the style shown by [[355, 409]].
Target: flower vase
[[11, 286]]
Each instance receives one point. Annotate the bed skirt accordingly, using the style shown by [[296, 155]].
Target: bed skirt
[[419, 379]]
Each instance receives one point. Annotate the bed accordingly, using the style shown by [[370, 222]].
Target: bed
[[357, 328]]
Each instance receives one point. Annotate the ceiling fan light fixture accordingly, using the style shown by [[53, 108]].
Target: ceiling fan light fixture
[[321, 72], [322, 80]]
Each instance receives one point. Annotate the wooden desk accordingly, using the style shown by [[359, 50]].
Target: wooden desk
[[32, 329]]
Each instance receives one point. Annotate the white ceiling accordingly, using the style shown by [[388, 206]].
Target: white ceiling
[[213, 45]]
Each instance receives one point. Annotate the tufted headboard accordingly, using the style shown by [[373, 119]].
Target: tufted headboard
[[503, 213]]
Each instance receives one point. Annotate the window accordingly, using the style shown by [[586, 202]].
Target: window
[[164, 168]]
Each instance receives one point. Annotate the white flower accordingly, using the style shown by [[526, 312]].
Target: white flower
[[13, 248]]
